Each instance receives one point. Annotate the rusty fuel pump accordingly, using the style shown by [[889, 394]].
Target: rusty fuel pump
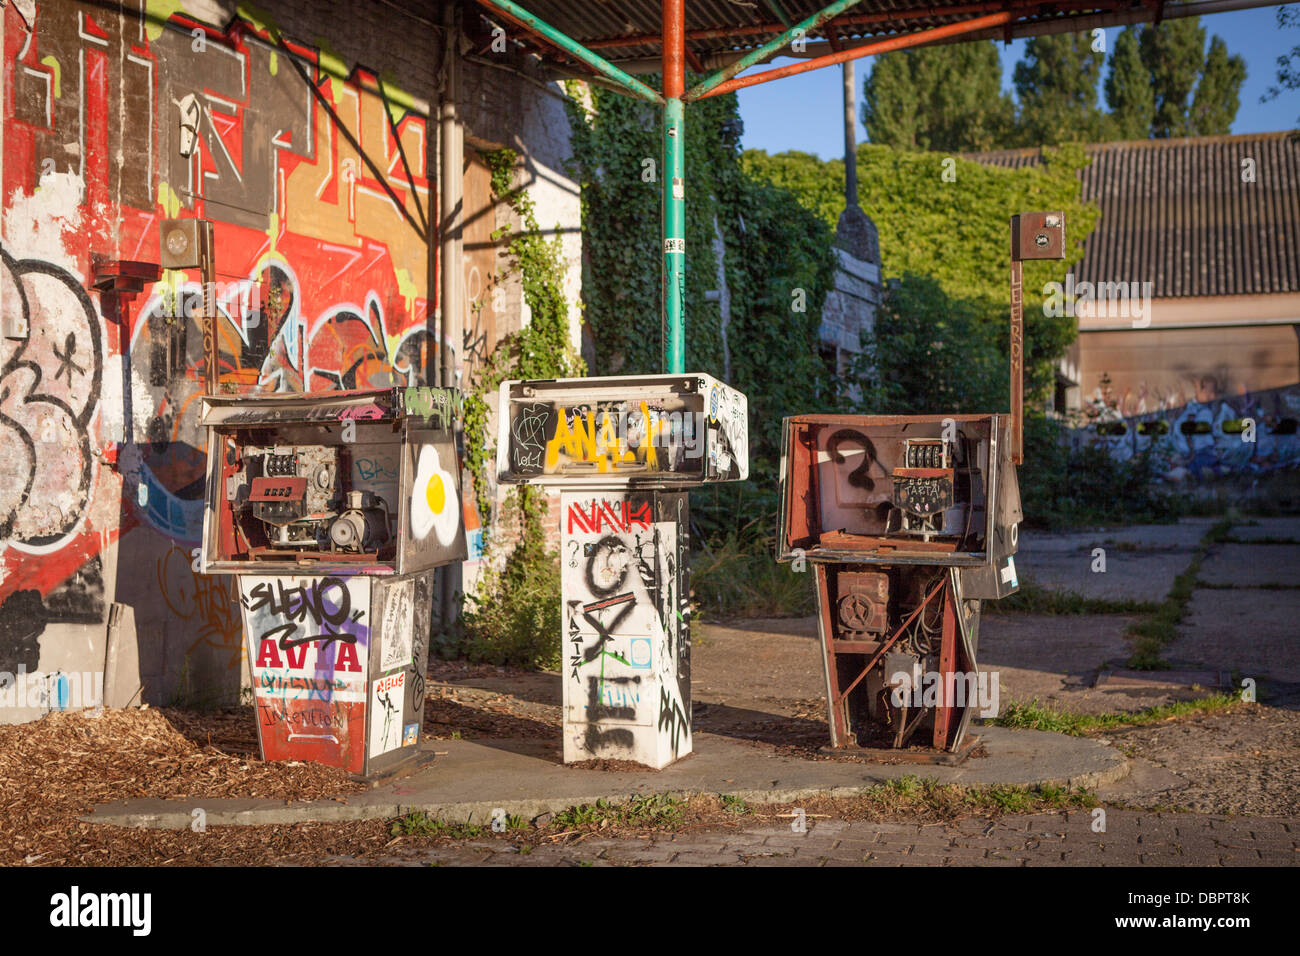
[[909, 522]]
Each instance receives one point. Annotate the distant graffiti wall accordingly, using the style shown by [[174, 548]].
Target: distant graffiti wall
[[1211, 439], [318, 190]]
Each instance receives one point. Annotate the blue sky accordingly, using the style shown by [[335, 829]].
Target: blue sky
[[804, 112]]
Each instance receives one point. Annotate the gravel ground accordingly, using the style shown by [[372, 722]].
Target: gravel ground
[[1242, 762]]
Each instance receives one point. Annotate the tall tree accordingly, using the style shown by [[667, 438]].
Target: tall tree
[[946, 98], [1129, 95], [1057, 87], [1288, 66], [1218, 94], [1174, 53]]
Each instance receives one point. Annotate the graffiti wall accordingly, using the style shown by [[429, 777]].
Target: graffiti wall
[[1245, 435], [627, 641], [317, 186]]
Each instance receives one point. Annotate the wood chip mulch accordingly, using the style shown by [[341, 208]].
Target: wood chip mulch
[[56, 769]]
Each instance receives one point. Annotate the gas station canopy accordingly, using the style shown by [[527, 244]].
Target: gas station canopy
[[608, 42], [630, 33]]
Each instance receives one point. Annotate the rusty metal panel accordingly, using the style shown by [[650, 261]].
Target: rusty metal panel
[[863, 604], [859, 488], [1038, 235]]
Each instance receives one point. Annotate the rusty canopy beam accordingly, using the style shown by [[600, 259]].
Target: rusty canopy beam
[[567, 45], [884, 46], [849, 20], [800, 30]]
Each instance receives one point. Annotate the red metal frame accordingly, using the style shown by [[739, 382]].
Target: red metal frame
[[883, 46], [950, 657], [858, 19], [943, 712]]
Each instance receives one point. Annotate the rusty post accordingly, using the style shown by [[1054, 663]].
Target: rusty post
[[208, 276], [1017, 364]]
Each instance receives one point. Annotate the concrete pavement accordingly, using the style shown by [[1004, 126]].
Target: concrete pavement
[[473, 778]]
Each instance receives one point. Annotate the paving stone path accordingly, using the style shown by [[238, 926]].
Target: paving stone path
[[1131, 838]]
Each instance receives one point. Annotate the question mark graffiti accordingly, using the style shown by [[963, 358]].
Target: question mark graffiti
[[858, 477]]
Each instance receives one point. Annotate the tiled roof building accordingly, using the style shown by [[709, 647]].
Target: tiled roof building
[[1213, 225]]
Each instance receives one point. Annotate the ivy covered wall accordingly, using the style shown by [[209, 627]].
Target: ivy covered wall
[[778, 260]]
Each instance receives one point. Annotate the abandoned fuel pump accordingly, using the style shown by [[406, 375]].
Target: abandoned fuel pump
[[909, 522], [622, 452], [333, 509]]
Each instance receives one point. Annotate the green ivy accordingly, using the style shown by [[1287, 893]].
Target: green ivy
[[773, 248], [514, 615], [947, 218]]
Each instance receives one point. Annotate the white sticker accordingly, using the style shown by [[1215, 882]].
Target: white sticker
[[1009, 573], [675, 245]]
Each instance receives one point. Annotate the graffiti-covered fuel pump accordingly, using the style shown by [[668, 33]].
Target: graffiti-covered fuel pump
[[622, 452], [333, 509], [909, 522]]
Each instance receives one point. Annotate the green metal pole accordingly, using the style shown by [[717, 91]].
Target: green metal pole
[[758, 54], [673, 188], [674, 232], [572, 47]]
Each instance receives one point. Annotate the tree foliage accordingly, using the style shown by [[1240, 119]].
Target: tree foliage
[[938, 98], [1158, 81], [1129, 93], [931, 352], [1218, 92], [1056, 84], [1288, 66], [955, 233], [1195, 93], [774, 248]]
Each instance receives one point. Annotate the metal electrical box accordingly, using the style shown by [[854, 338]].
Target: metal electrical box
[[622, 452], [651, 431], [921, 489], [361, 482], [334, 509]]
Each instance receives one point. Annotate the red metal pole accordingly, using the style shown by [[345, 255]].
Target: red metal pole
[[884, 46], [674, 52]]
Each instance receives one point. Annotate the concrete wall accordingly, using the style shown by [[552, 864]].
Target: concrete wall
[[323, 283], [850, 309]]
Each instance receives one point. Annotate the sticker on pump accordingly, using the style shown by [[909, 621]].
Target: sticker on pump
[[1009, 573]]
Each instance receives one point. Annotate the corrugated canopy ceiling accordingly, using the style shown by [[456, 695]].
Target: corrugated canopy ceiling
[[718, 30]]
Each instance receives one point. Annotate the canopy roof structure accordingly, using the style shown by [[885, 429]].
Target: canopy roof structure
[[611, 41], [629, 34]]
